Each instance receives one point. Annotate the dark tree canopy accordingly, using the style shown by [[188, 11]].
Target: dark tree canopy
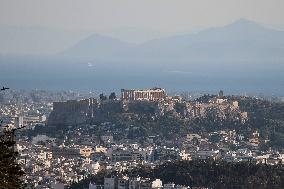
[[103, 97], [216, 174], [10, 170], [112, 96], [203, 173]]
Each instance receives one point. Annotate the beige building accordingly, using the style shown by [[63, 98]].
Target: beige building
[[86, 151], [101, 149], [153, 94]]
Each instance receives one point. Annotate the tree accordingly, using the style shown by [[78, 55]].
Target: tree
[[112, 96], [103, 97], [10, 170]]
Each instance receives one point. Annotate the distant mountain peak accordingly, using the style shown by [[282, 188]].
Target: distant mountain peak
[[245, 23]]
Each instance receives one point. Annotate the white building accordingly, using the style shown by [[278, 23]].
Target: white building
[[157, 184]]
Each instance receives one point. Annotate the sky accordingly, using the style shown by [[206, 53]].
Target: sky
[[129, 20], [161, 15]]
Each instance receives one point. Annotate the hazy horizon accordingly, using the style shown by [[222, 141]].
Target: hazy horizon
[[50, 41], [26, 25], [224, 52]]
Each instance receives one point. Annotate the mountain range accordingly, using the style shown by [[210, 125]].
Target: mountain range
[[243, 40], [240, 57]]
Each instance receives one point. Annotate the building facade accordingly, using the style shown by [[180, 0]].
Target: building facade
[[153, 94]]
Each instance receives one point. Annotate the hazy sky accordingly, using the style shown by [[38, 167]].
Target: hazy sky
[[159, 15], [27, 24]]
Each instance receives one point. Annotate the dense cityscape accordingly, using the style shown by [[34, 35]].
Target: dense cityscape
[[70, 139], [163, 94]]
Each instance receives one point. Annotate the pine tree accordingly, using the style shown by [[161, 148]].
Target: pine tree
[[10, 170]]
